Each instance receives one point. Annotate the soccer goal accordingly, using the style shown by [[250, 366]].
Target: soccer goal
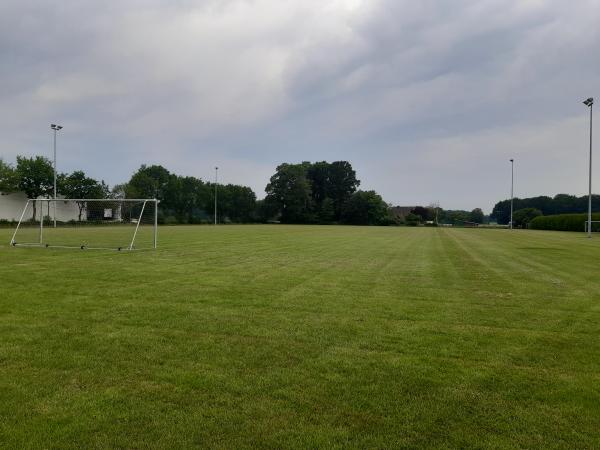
[[595, 226], [119, 224]]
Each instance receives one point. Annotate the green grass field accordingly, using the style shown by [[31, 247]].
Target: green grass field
[[304, 337]]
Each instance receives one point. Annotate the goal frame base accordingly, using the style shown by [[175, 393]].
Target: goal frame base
[[130, 247]]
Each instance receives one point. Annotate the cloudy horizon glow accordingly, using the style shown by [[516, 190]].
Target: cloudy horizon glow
[[428, 100]]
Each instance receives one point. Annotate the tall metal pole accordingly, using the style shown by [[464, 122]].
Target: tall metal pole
[[590, 102], [55, 130], [512, 183], [216, 179], [590, 179]]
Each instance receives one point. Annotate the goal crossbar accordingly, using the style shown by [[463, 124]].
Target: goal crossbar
[[114, 224]]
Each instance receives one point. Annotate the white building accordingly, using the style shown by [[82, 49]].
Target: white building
[[11, 208]]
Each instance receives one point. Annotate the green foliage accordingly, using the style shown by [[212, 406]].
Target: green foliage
[[455, 217], [522, 217], [412, 220], [77, 185], [148, 182], [476, 216], [366, 208], [189, 199], [290, 190], [424, 214], [562, 222], [327, 211], [118, 191], [9, 180], [235, 203], [35, 177], [560, 204], [341, 184], [312, 192], [267, 210]]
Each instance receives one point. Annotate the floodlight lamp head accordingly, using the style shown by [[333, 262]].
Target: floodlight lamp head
[[512, 160], [53, 126], [589, 102], [58, 127]]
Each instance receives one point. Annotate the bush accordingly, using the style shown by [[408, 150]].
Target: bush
[[522, 217], [412, 220], [562, 222], [5, 223]]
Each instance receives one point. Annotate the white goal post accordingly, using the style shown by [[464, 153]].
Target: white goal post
[[86, 223]]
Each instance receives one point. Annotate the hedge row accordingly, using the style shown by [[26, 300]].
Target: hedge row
[[563, 222]]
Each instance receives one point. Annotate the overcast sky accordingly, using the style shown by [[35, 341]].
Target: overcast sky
[[427, 99]]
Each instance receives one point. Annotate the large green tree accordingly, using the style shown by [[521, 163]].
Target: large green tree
[[78, 186], [332, 184], [290, 189], [36, 177], [149, 182], [312, 192], [477, 216]]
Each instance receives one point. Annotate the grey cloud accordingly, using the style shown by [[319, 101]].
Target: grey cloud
[[402, 89]]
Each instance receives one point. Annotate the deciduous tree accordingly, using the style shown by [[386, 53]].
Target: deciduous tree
[[78, 186], [36, 177]]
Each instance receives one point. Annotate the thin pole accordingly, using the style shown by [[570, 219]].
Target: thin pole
[[41, 224], [216, 180], [590, 180], [137, 226], [155, 222], [54, 177], [512, 183], [12, 240]]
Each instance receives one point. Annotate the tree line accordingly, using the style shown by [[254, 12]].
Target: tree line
[[305, 193], [435, 215], [182, 199], [525, 209], [318, 192]]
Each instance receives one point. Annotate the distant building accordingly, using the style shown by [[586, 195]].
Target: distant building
[[11, 208], [400, 212]]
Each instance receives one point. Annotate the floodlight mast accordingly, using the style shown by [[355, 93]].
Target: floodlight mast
[[590, 103], [216, 180], [512, 182], [55, 128]]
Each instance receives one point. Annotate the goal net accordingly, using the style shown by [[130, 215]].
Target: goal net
[[119, 224]]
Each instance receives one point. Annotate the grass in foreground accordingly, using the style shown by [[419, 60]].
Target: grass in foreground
[[290, 336]]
